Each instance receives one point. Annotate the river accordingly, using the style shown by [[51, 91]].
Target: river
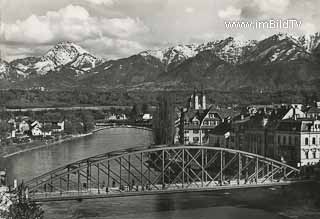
[[218, 205], [28, 165]]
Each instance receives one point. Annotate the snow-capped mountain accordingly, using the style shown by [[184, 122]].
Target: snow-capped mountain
[[61, 55], [277, 48], [4, 69], [173, 56], [228, 63], [230, 50]]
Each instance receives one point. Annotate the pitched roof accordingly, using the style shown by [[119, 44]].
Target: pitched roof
[[221, 129]]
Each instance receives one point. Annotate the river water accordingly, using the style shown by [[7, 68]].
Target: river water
[[28, 165]]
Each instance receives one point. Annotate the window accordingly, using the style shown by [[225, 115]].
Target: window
[[186, 139], [307, 154], [313, 140], [306, 141], [296, 140], [195, 131], [195, 139], [186, 131], [284, 140], [314, 154], [195, 122], [279, 139]]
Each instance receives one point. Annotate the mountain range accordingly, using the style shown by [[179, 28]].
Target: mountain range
[[278, 62]]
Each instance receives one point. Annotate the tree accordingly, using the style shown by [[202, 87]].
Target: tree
[[145, 108], [88, 121], [164, 119], [4, 129], [135, 112], [21, 207]]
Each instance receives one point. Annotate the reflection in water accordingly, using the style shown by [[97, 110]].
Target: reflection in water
[[27, 165], [183, 205]]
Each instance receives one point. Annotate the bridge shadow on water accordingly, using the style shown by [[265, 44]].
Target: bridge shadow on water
[[263, 203]]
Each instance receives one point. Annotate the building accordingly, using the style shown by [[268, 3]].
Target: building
[[36, 128], [115, 117], [256, 133], [220, 135], [147, 117], [314, 111], [58, 126], [237, 134], [24, 126], [298, 141], [195, 121]]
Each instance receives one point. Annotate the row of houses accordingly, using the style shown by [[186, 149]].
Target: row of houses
[[123, 117], [21, 127], [286, 134], [289, 133]]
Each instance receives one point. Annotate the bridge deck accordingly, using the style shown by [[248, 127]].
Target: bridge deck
[[93, 194]]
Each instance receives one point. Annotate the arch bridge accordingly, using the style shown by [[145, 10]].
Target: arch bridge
[[148, 170]]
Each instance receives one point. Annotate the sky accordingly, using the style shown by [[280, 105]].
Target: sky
[[119, 28]]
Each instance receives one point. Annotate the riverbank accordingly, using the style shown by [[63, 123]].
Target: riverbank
[[12, 150]]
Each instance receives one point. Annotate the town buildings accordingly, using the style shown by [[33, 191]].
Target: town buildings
[[285, 134], [23, 129], [195, 121]]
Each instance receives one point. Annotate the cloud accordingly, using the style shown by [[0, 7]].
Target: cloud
[[189, 10], [101, 2], [309, 28], [263, 8], [229, 13], [72, 23], [274, 6], [113, 48]]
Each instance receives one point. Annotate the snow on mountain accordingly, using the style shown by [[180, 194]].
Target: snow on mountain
[[310, 42], [277, 48], [62, 54], [229, 50], [68, 57], [4, 69], [173, 55]]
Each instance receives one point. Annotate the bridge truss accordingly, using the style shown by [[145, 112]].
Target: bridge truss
[[159, 168]]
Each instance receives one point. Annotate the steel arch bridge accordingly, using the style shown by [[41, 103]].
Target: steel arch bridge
[[161, 168]]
